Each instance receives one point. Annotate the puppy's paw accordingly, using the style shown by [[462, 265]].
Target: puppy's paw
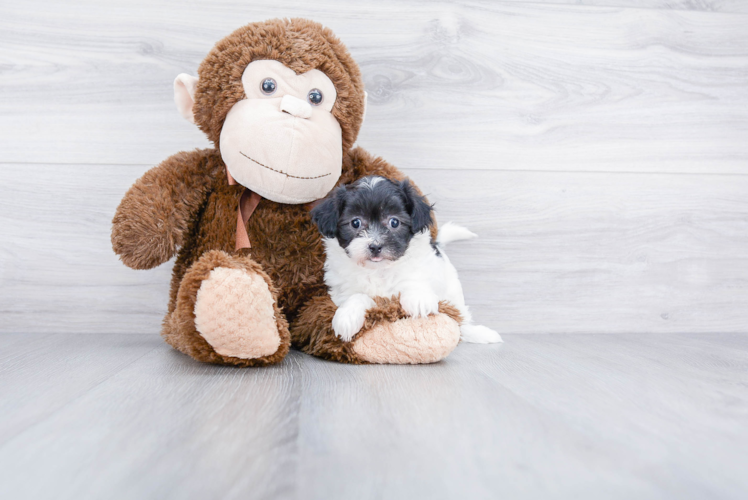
[[349, 319], [420, 304], [479, 334]]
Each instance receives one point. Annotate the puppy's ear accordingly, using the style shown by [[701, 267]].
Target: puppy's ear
[[327, 213], [417, 206]]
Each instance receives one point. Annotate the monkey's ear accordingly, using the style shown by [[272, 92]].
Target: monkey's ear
[[418, 208], [184, 95], [327, 213], [366, 103]]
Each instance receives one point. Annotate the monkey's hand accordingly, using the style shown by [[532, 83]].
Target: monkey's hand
[[153, 216]]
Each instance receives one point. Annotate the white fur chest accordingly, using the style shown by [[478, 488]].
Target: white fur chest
[[381, 279]]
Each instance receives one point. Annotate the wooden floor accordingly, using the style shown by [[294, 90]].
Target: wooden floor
[[541, 416], [598, 147]]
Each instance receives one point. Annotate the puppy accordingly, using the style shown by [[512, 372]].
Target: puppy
[[378, 243]]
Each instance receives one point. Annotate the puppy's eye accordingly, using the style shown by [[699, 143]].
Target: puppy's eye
[[315, 97], [394, 223], [268, 86], [356, 223]]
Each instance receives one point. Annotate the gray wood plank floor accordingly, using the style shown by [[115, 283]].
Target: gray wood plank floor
[[542, 416], [598, 147]]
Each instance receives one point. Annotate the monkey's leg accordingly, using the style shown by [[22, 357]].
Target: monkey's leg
[[388, 336], [227, 313]]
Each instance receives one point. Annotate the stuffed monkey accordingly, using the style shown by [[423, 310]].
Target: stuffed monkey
[[282, 101]]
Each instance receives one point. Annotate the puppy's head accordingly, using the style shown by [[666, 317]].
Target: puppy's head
[[374, 218]]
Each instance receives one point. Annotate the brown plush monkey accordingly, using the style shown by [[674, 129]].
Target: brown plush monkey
[[282, 101]]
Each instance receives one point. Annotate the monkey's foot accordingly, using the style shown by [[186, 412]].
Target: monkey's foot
[[389, 335], [234, 314], [227, 313], [409, 340]]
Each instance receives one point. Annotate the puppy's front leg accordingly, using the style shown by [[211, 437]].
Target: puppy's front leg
[[349, 318], [419, 301]]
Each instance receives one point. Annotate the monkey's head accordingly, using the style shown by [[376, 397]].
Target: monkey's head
[[282, 100]]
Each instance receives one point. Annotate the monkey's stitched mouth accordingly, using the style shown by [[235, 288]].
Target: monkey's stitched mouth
[[282, 173]]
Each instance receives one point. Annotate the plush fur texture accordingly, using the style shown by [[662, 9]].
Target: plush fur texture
[[185, 206], [376, 245], [409, 341], [300, 44], [234, 312], [313, 334], [179, 327]]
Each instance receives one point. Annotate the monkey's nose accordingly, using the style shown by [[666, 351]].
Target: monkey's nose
[[375, 248], [296, 107]]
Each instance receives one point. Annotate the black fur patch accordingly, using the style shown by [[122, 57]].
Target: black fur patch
[[388, 213]]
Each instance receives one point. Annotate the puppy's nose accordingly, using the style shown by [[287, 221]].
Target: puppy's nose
[[296, 107], [375, 248]]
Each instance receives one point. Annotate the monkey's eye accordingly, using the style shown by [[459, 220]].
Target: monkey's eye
[[394, 223], [315, 97], [268, 86], [356, 223]]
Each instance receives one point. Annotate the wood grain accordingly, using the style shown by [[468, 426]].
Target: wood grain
[[725, 6], [599, 253], [163, 426], [58, 272], [541, 416], [59, 368], [557, 253], [598, 147], [487, 85]]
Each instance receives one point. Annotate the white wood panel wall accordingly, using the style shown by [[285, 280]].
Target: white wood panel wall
[[599, 148]]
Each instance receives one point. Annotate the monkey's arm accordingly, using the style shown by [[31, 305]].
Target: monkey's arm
[[154, 214], [359, 163]]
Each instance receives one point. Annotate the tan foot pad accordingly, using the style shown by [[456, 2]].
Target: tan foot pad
[[234, 314], [409, 341]]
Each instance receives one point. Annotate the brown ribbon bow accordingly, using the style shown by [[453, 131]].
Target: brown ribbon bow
[[247, 205]]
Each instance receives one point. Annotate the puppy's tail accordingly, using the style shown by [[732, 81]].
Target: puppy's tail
[[450, 232]]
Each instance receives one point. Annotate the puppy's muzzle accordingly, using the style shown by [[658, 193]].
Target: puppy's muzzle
[[375, 249]]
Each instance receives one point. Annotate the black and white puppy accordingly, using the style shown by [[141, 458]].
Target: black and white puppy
[[378, 243]]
